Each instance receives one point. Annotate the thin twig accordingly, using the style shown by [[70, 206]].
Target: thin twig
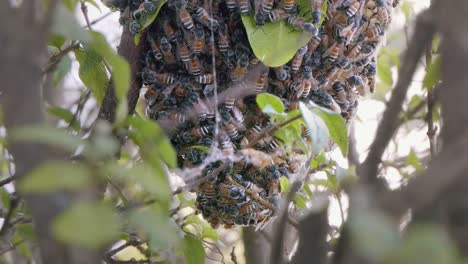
[[12, 247], [233, 256], [97, 20], [424, 31], [270, 130], [79, 108], [55, 59], [7, 180]]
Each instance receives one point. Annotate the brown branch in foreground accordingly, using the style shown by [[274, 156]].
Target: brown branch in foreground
[[431, 128], [233, 256], [424, 30]]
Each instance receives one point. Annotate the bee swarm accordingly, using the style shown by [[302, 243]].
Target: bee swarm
[[336, 67]]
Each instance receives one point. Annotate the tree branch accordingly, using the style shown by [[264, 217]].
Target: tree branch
[[423, 33]]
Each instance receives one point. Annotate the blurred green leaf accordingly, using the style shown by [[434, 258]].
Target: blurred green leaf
[[92, 72], [65, 24], [428, 245], [276, 43], [384, 70], [70, 4], [209, 233], [300, 200], [5, 198], [318, 160], [149, 136], [47, 135], [193, 250], [26, 231], [336, 127], [373, 234], [88, 225], [63, 114], [63, 68], [284, 184], [432, 76], [270, 104], [56, 40], [202, 148], [154, 223], [408, 10], [56, 175], [153, 181], [318, 130]]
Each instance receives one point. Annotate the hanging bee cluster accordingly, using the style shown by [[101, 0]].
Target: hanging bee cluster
[[199, 48]]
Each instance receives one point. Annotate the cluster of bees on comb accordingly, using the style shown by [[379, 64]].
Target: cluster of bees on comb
[[199, 48]]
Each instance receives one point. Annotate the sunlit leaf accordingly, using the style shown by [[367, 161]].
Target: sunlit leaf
[[408, 10], [413, 160], [318, 130], [336, 127], [300, 200], [209, 233], [384, 70], [318, 160], [70, 4], [56, 40], [275, 44], [148, 18], [54, 176], [193, 250], [87, 224], [270, 104], [92, 72]]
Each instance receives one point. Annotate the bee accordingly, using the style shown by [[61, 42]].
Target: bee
[[373, 33], [205, 18], [184, 16], [198, 43], [248, 185], [297, 60], [313, 44], [334, 51], [248, 208], [241, 68], [223, 40], [340, 91], [260, 82], [226, 144], [267, 6], [232, 131], [323, 98], [316, 13], [231, 191], [281, 73], [206, 78], [209, 190], [177, 118], [195, 67], [166, 49], [183, 51], [244, 6], [156, 52], [273, 186], [231, 5], [288, 4], [214, 221], [277, 15], [134, 27], [168, 30], [161, 78], [353, 8], [273, 144], [354, 52], [144, 8], [300, 23]]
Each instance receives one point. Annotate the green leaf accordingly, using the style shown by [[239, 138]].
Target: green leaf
[[47, 135], [336, 127], [56, 175], [153, 181], [270, 104], [428, 245], [432, 76], [408, 10], [5, 198], [275, 43], [88, 225], [300, 200], [154, 223], [384, 70], [26, 231], [374, 235], [70, 4], [209, 233], [318, 130], [193, 250], [147, 19], [284, 184], [318, 160], [413, 160], [65, 24], [56, 40], [150, 136], [63, 68], [92, 72]]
